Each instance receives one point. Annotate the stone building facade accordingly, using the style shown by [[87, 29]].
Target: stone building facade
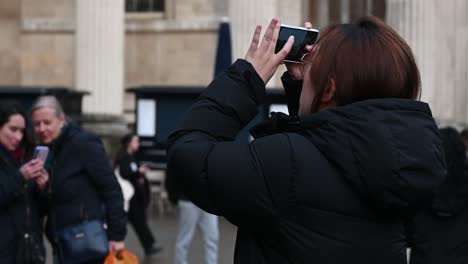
[[95, 46]]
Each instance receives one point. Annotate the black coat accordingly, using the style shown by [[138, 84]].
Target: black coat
[[439, 234], [84, 184], [13, 204], [330, 187], [128, 169]]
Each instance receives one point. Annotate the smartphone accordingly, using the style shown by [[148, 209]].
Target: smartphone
[[302, 37], [41, 153]]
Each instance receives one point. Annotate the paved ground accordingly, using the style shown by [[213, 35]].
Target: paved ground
[[165, 229]]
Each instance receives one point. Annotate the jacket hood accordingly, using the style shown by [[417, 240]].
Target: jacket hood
[[389, 150]]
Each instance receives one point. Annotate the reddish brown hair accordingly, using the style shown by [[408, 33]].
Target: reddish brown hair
[[367, 59]]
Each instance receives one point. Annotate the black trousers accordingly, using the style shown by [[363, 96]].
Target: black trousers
[[138, 219]]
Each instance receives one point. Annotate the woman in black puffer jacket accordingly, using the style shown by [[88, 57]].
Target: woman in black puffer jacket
[[20, 185], [332, 183]]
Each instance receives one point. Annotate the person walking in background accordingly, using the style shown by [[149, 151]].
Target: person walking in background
[[131, 170], [21, 180], [439, 233], [191, 217], [333, 182], [83, 184]]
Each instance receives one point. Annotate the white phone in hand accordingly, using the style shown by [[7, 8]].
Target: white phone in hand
[[41, 153]]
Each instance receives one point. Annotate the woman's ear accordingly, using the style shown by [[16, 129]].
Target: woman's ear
[[328, 97]]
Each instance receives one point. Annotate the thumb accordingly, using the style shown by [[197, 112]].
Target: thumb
[[286, 48]]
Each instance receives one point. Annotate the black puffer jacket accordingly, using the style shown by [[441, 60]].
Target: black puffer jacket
[[13, 204], [84, 184], [330, 187], [439, 234], [128, 169]]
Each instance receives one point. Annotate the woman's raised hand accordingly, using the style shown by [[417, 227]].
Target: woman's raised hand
[[42, 179], [32, 169], [262, 55]]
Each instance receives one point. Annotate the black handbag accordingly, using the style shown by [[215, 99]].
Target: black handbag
[[78, 243], [83, 242]]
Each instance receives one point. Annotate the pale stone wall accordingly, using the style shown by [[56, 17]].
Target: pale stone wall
[[47, 41], [170, 58], [47, 8], [194, 9], [47, 59], [10, 39]]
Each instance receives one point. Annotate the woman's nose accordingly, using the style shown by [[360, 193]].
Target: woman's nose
[[19, 136]]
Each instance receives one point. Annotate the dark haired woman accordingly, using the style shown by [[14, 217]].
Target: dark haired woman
[[20, 181], [439, 233], [333, 184], [131, 170]]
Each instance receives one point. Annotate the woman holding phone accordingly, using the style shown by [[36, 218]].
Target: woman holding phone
[[83, 186], [336, 179], [20, 181]]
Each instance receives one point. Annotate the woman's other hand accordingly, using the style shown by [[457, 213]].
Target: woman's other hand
[[116, 246], [294, 69], [42, 179], [32, 169], [262, 55], [143, 169]]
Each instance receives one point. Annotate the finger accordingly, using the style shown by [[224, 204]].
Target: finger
[[308, 25], [256, 38], [285, 50], [274, 38], [34, 176], [309, 48], [44, 172], [269, 34], [32, 162], [37, 167]]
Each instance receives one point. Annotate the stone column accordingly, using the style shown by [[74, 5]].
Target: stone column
[[437, 31], [323, 13], [345, 8], [99, 54], [99, 58]]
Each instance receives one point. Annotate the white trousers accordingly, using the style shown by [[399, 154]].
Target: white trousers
[[190, 216]]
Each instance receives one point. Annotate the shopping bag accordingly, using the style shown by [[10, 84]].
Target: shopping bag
[[121, 257]]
